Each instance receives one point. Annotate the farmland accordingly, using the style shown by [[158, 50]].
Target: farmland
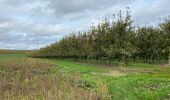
[[27, 78], [84, 50], [110, 61], [13, 51]]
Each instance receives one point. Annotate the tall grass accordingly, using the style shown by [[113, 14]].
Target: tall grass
[[29, 79]]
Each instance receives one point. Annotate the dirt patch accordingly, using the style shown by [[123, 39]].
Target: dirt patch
[[117, 71], [114, 73], [122, 71], [128, 70]]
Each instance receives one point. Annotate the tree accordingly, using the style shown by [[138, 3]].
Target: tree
[[165, 26], [113, 40]]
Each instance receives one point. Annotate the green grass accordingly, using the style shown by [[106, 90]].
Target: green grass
[[153, 85], [142, 65], [79, 67], [139, 87], [141, 82]]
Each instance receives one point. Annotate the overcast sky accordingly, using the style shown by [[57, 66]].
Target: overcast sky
[[24, 23]]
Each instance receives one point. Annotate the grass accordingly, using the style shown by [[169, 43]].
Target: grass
[[78, 67], [142, 65], [139, 87], [12, 56], [146, 82], [27, 78]]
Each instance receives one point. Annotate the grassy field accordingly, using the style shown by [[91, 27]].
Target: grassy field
[[13, 51], [26, 78]]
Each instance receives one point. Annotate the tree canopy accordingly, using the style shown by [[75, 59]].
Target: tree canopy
[[113, 40]]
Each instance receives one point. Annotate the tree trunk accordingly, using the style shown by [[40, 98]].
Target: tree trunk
[[110, 61], [134, 58], [169, 60], [76, 59], [122, 61]]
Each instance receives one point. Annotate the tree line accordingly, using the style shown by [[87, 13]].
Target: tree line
[[116, 40]]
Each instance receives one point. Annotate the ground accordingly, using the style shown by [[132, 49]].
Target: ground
[[28, 78]]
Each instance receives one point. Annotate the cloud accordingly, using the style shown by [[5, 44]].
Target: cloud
[[75, 6], [148, 13], [23, 23]]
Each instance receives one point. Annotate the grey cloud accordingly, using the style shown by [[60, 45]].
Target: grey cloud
[[24, 22], [150, 13], [74, 6]]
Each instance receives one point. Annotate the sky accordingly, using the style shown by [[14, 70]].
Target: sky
[[24, 24]]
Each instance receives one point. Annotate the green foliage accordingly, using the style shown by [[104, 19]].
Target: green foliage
[[86, 84], [151, 44], [113, 40]]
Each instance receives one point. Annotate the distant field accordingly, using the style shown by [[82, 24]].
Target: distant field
[[13, 51], [24, 78]]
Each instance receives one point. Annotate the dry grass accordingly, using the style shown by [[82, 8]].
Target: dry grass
[[28, 79]]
